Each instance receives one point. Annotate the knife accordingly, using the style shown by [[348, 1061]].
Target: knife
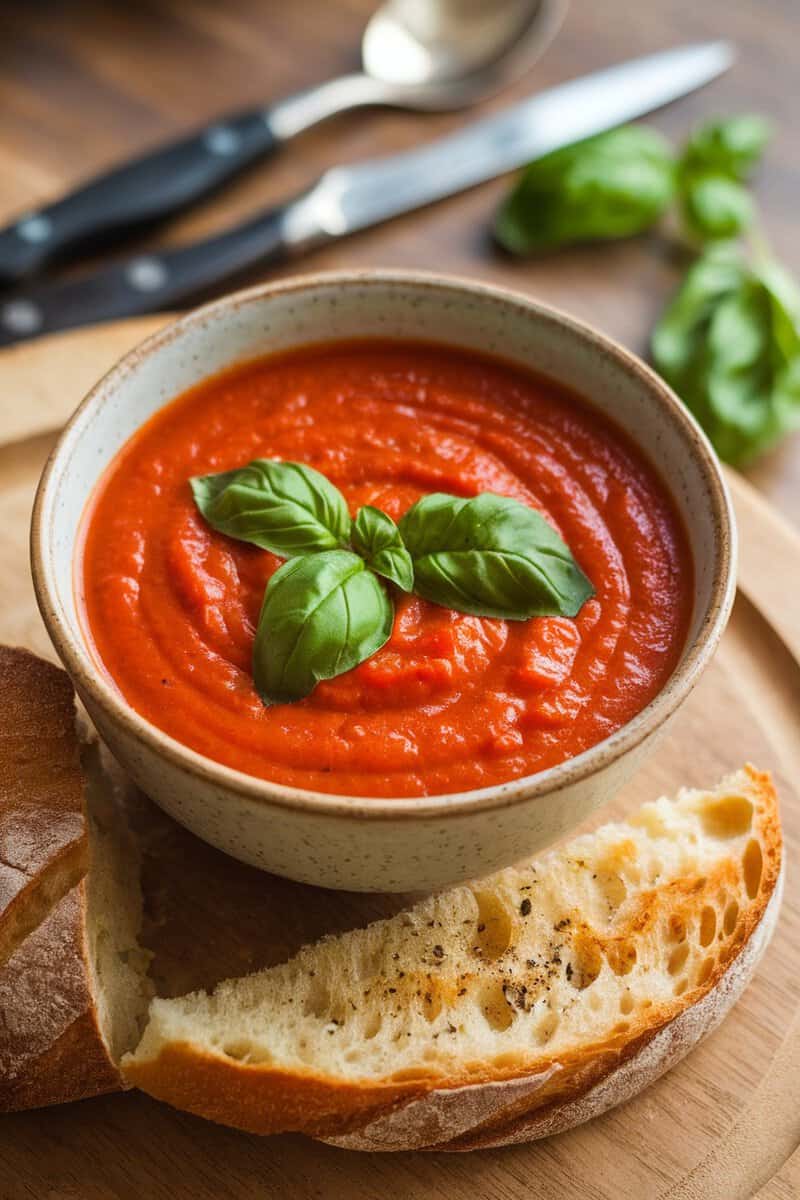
[[348, 198]]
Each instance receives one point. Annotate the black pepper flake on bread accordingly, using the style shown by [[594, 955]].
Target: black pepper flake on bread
[[548, 1021]]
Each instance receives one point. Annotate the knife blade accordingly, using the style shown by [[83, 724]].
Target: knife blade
[[348, 198]]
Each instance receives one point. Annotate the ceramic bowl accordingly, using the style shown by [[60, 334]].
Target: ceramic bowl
[[353, 842]]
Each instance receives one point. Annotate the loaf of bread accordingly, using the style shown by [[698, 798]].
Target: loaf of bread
[[43, 845], [73, 989], [497, 1012]]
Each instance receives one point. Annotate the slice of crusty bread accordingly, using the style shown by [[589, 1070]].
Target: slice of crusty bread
[[500, 1011], [73, 993], [43, 846]]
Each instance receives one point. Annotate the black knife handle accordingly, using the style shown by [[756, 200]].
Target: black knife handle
[[136, 194], [144, 283]]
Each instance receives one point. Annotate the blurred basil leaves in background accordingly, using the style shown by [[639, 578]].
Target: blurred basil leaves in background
[[711, 173], [609, 186], [729, 341], [729, 345]]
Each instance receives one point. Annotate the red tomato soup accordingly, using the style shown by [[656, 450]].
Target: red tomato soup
[[451, 702]]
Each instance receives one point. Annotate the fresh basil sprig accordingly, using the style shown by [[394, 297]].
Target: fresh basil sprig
[[284, 507], [729, 343], [322, 615], [621, 182], [609, 186], [325, 610], [493, 557]]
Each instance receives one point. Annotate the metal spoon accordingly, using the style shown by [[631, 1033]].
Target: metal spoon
[[427, 55], [416, 54]]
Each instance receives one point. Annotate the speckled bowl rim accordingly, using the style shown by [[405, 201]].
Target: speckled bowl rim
[[89, 678]]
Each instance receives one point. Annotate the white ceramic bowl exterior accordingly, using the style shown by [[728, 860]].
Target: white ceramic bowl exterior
[[356, 843]]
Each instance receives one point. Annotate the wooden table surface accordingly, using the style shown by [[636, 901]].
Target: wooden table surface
[[85, 83]]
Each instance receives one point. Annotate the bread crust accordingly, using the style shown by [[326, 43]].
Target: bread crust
[[43, 839], [51, 1046], [640, 1063], [527, 1101]]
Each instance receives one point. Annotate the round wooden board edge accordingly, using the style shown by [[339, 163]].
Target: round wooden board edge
[[762, 1144], [54, 373]]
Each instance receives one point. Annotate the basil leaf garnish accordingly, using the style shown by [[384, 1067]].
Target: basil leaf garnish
[[729, 343], [284, 507], [493, 557], [609, 186], [377, 539], [322, 615], [325, 610]]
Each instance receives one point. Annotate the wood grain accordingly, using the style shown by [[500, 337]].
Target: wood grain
[[769, 548], [44, 380], [785, 1185], [86, 83], [718, 1127]]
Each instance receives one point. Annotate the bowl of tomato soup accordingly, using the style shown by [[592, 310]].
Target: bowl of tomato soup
[[464, 741]]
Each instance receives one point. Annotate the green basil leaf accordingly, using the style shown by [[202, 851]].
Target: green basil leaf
[[784, 297], [786, 398], [322, 615], [754, 366], [677, 340], [729, 343], [493, 557], [284, 507], [610, 186], [731, 146], [377, 539], [715, 207]]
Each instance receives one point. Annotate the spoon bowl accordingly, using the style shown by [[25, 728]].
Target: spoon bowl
[[456, 50], [429, 58]]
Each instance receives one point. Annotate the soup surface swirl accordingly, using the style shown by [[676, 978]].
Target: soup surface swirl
[[452, 702]]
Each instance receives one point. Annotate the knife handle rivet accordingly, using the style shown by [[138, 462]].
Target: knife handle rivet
[[222, 141], [21, 316], [146, 274], [35, 229]]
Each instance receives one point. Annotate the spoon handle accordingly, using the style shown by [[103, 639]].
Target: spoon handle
[[136, 194]]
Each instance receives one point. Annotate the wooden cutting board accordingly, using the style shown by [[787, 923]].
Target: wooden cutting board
[[723, 1125]]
